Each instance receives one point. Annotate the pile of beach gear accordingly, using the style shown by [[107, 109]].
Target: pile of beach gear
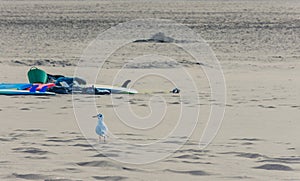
[[42, 83]]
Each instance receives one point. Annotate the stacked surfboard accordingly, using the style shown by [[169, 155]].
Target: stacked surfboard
[[38, 86], [41, 89], [24, 89]]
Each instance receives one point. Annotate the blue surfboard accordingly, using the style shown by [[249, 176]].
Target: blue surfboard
[[25, 92], [18, 86]]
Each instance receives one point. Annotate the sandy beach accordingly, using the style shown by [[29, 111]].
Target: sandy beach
[[256, 43]]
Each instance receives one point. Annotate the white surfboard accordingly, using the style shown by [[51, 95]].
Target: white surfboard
[[115, 90]]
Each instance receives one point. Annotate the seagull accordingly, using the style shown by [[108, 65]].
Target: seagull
[[101, 128]]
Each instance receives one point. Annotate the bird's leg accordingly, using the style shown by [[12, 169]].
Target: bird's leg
[[99, 139], [104, 139]]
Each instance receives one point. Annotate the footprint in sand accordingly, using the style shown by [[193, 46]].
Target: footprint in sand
[[192, 157], [287, 160], [7, 139], [29, 176], [245, 155], [107, 164], [58, 140], [31, 150], [98, 164], [82, 145], [36, 157], [274, 167], [24, 109], [30, 130], [109, 178], [190, 172], [106, 155], [270, 107]]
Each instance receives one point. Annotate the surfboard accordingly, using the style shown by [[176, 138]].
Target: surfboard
[[24, 92], [115, 90], [18, 86], [32, 91]]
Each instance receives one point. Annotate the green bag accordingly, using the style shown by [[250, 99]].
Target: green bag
[[36, 75]]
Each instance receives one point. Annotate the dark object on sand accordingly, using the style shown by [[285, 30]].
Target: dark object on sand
[[66, 85], [69, 80], [175, 91], [157, 38], [60, 90], [102, 92]]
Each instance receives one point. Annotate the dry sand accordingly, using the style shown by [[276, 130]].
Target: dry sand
[[256, 43]]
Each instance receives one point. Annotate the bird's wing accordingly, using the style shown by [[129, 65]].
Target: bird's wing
[[99, 130], [104, 128]]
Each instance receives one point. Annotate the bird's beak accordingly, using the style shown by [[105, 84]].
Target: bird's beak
[[94, 116]]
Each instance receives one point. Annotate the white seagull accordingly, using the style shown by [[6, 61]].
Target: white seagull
[[101, 128]]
